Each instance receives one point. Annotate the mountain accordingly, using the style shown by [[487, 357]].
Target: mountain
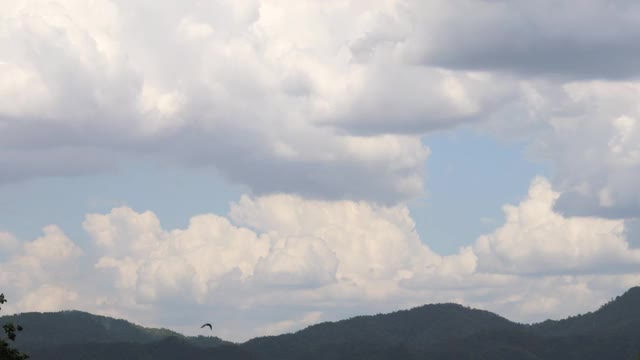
[[47, 330], [436, 332], [412, 330], [449, 331], [170, 348]]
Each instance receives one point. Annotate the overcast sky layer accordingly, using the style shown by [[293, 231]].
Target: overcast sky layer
[[266, 165]]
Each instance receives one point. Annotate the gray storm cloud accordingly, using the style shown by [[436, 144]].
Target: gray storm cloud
[[592, 39]]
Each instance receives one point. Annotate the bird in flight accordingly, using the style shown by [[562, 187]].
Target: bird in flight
[[207, 324]]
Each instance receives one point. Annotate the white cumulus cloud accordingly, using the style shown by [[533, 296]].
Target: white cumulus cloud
[[279, 262], [536, 240]]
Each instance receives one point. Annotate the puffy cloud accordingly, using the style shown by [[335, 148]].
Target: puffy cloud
[[54, 246], [30, 269], [155, 264], [298, 262], [274, 103], [538, 258], [291, 243], [326, 257], [323, 100], [586, 132], [368, 241], [124, 231], [537, 240], [280, 262], [441, 99], [589, 133], [329, 105], [280, 251], [572, 81]]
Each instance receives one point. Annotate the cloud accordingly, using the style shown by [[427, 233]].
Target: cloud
[[330, 105], [539, 298], [49, 298], [54, 246], [289, 243], [279, 262], [280, 252], [368, 241], [595, 40], [298, 262], [319, 108], [588, 131], [282, 327], [535, 240], [386, 98], [313, 106], [33, 267], [155, 264], [8, 242]]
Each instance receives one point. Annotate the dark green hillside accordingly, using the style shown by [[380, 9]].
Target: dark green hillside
[[76, 327], [79, 327], [170, 348], [523, 345], [411, 329], [434, 332]]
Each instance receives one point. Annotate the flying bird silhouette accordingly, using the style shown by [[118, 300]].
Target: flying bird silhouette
[[207, 324]]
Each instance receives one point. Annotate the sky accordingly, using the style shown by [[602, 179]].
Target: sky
[[265, 165]]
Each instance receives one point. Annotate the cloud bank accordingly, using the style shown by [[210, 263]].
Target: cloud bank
[[321, 99], [310, 259]]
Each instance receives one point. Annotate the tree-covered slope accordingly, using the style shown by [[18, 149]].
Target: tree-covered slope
[[44, 330], [435, 332], [79, 327], [413, 329], [170, 348]]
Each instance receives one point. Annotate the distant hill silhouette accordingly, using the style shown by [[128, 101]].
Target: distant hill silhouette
[[413, 329], [47, 330], [169, 348], [441, 331]]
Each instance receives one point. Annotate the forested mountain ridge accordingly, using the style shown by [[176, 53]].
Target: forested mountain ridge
[[77, 327], [413, 329], [440, 331]]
